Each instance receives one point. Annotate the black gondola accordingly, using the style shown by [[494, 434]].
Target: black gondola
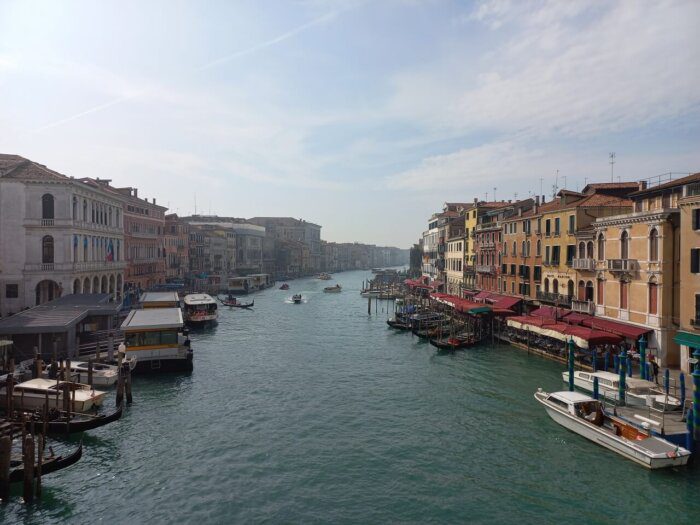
[[399, 324], [452, 343], [234, 303], [48, 465], [79, 422]]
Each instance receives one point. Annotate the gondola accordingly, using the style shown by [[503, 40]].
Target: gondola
[[78, 423], [285, 286], [48, 465], [399, 324], [453, 343], [233, 303]]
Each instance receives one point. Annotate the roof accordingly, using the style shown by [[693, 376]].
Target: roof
[[695, 177], [198, 298], [59, 315], [159, 297], [571, 397], [153, 318], [610, 186], [16, 167], [283, 221], [622, 329]]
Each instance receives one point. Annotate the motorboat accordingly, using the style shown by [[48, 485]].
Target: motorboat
[[157, 338], [585, 416], [638, 392], [296, 298], [285, 286], [200, 309], [102, 374], [333, 289], [36, 393], [324, 276]]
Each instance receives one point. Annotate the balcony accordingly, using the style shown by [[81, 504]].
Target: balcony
[[487, 245], [622, 265], [469, 270], [485, 268], [587, 265], [584, 307], [554, 298], [75, 267]]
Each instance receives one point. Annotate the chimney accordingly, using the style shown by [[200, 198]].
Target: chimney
[[537, 200], [542, 199], [154, 200], [476, 201], [136, 192], [520, 211], [642, 185]]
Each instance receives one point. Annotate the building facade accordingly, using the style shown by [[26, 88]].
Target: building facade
[[290, 229], [177, 245], [58, 236]]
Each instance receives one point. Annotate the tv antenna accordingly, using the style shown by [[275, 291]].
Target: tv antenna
[[611, 156]]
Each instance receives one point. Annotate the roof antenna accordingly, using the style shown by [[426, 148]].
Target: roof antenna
[[195, 203], [611, 156], [494, 194]]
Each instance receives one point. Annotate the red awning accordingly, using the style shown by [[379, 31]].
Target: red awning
[[483, 295], [576, 318], [615, 327], [594, 337], [459, 304], [503, 301], [550, 311]]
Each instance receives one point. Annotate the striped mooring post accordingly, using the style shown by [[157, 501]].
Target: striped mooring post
[[621, 381], [595, 387], [643, 358], [571, 364], [696, 396]]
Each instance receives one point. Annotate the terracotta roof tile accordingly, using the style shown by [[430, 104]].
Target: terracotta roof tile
[[16, 167]]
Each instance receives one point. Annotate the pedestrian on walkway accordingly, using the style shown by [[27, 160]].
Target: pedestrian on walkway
[[654, 369]]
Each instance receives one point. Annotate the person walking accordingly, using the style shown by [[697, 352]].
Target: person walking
[[654, 369]]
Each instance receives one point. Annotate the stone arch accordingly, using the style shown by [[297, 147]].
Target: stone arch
[[104, 285], [112, 282], [47, 290], [570, 288], [95, 284], [47, 206], [86, 285], [76, 286]]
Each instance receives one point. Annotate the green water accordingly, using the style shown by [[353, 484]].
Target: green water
[[318, 413]]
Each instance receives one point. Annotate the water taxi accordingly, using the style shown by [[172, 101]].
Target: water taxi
[[333, 289], [297, 298], [35, 393], [324, 276], [155, 337], [102, 374], [585, 416], [638, 392], [200, 308]]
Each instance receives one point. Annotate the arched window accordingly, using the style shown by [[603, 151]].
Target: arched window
[[589, 291], [570, 288], [47, 250], [75, 208], [523, 252], [601, 247], [47, 206], [653, 298], [546, 285], [589, 249], [653, 245], [539, 247], [624, 245], [85, 213], [555, 286], [581, 291], [505, 249], [515, 248], [581, 250], [528, 248]]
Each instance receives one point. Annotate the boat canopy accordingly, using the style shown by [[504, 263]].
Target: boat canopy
[[153, 319]]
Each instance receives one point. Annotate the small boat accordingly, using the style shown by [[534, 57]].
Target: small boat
[[234, 303], [324, 276], [285, 286], [333, 289], [200, 309], [49, 464], [35, 393], [638, 392], [369, 293], [77, 423], [102, 374], [585, 416], [454, 343], [296, 298]]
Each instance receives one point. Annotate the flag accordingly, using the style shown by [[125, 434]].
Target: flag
[[110, 252]]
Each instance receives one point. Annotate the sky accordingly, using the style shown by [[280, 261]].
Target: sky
[[362, 116]]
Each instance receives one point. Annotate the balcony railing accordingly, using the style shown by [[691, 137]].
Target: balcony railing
[[469, 270], [583, 264], [558, 299], [487, 245], [485, 268], [584, 307], [76, 266], [622, 265]]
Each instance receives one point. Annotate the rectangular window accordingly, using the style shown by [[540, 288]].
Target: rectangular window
[[696, 218], [512, 269], [538, 273], [570, 253], [11, 291], [572, 223], [555, 254], [546, 254], [601, 291], [547, 227], [697, 309], [695, 260], [556, 226]]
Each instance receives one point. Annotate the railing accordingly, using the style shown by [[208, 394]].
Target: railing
[[583, 264], [622, 265], [75, 267], [487, 245], [555, 298], [485, 268], [584, 307], [47, 222]]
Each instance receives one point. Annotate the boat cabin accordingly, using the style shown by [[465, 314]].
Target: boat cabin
[[160, 300], [574, 403], [152, 328]]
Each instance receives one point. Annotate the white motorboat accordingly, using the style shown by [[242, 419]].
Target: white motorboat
[[333, 289], [200, 308], [33, 394], [638, 392], [297, 298], [102, 374], [370, 293], [585, 416]]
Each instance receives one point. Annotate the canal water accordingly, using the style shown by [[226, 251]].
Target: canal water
[[318, 412]]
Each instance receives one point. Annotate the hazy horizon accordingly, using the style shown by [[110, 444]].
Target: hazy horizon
[[360, 116]]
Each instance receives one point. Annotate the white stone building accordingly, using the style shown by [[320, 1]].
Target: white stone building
[[57, 236]]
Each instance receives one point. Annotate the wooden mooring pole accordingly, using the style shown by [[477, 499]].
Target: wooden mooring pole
[[5, 452], [28, 459]]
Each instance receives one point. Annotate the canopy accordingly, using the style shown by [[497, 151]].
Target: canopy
[[503, 301], [483, 295], [582, 337], [550, 311], [622, 329], [461, 305], [687, 339], [576, 318]]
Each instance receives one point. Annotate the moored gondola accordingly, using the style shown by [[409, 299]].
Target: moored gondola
[[453, 343], [78, 422], [48, 465]]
